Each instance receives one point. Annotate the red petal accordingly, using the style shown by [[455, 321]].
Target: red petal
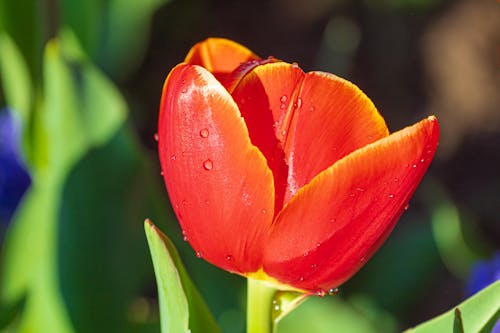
[[336, 222], [315, 118], [219, 184], [333, 118], [263, 96], [220, 56]]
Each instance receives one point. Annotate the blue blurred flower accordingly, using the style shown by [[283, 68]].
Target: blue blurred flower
[[483, 273], [14, 178]]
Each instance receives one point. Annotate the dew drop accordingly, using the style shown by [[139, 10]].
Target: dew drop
[[301, 279], [396, 180], [414, 166], [263, 211], [172, 157], [229, 257], [208, 165], [295, 65], [204, 133], [283, 99], [333, 220], [333, 291], [320, 293], [390, 196], [299, 103], [351, 195], [314, 266], [318, 244], [407, 206], [184, 235], [156, 137], [283, 132], [207, 202], [422, 160], [360, 189], [198, 254], [312, 108], [161, 173], [184, 91]]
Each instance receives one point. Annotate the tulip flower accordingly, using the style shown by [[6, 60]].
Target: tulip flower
[[279, 175]]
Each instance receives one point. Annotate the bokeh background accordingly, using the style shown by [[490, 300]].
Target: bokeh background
[[81, 81]]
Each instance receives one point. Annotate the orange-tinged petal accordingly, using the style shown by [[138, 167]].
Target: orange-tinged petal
[[303, 123], [333, 118], [336, 222], [219, 183], [219, 56]]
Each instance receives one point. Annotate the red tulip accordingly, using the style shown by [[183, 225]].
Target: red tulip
[[282, 175]]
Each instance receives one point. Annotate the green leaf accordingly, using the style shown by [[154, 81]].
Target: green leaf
[[15, 77], [322, 315], [80, 109], [98, 220], [181, 306], [114, 33], [22, 20], [478, 314]]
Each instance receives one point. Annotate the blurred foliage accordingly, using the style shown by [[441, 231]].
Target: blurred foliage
[[85, 79]]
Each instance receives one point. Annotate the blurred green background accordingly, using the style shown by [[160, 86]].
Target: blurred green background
[[85, 77]]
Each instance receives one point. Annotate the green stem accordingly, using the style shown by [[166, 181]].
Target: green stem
[[259, 307]]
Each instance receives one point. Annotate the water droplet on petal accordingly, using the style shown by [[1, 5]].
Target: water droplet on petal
[[208, 164], [301, 279], [198, 254], [333, 291], [320, 293], [390, 196], [333, 220], [414, 165], [299, 103], [314, 266], [311, 108], [184, 91], [422, 160], [184, 235], [207, 202], [263, 211], [204, 133], [172, 157], [283, 99], [318, 244], [229, 257], [161, 173], [156, 137], [295, 65], [396, 180], [351, 195], [360, 189], [407, 206]]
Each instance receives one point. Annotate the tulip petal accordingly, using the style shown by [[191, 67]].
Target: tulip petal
[[336, 222], [290, 116], [219, 56], [333, 118], [219, 183], [264, 104]]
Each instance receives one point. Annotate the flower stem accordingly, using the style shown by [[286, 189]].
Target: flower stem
[[259, 307]]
